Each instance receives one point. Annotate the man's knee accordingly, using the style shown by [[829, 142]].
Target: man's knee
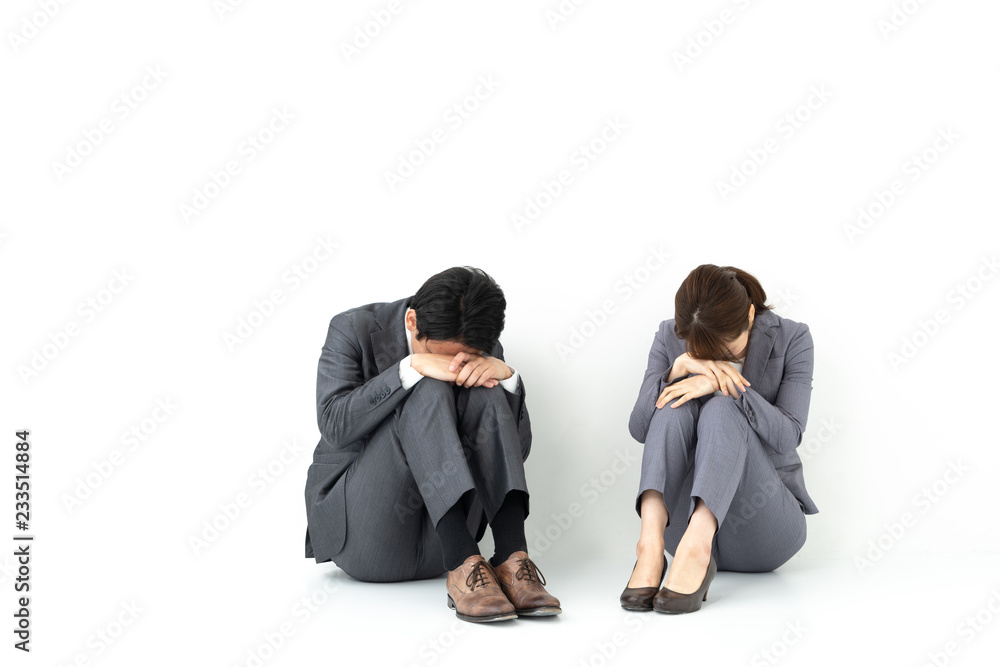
[[484, 409], [486, 398], [431, 389], [429, 397]]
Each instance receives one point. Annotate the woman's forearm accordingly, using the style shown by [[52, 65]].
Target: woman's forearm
[[678, 369]]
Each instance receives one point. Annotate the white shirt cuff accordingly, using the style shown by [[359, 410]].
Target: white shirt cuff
[[408, 376], [510, 384]]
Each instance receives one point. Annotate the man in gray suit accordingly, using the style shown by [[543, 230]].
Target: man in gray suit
[[424, 436]]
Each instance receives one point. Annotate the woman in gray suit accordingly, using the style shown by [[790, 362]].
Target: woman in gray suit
[[721, 410]]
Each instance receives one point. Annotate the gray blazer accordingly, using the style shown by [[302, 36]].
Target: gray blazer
[[779, 367], [358, 387]]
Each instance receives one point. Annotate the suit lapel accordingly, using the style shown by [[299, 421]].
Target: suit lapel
[[389, 341], [761, 343]]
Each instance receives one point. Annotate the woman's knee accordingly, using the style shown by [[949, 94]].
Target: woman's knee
[[719, 407], [668, 419], [720, 412]]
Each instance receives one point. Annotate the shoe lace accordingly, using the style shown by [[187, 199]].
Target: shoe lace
[[528, 570], [477, 577]]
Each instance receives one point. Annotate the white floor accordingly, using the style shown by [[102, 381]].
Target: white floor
[[907, 610], [252, 600]]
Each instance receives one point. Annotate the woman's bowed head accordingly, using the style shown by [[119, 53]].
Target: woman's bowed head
[[713, 313]]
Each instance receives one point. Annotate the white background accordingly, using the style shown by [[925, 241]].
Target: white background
[[894, 426]]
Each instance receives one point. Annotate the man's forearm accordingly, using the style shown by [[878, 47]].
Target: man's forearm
[[348, 414]]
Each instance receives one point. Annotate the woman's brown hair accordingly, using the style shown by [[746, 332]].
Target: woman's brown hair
[[712, 308]]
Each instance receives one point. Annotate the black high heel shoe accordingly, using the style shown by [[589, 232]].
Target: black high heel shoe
[[671, 602], [641, 599]]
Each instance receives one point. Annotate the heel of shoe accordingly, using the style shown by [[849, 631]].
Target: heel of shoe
[[713, 569], [451, 603]]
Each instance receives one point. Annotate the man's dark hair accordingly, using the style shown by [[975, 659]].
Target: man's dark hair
[[460, 304]]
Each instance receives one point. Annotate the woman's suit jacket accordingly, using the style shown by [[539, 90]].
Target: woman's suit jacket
[[779, 367]]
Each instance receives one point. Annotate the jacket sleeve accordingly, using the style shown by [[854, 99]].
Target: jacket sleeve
[[349, 408], [781, 425], [657, 369], [518, 408]]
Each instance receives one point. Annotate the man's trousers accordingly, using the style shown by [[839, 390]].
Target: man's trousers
[[441, 446]]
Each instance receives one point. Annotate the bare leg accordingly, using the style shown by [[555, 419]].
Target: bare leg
[[687, 572], [649, 549]]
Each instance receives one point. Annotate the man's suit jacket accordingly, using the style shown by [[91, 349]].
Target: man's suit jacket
[[779, 367], [357, 388]]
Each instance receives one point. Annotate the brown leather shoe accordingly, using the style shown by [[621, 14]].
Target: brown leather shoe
[[474, 594], [523, 584]]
